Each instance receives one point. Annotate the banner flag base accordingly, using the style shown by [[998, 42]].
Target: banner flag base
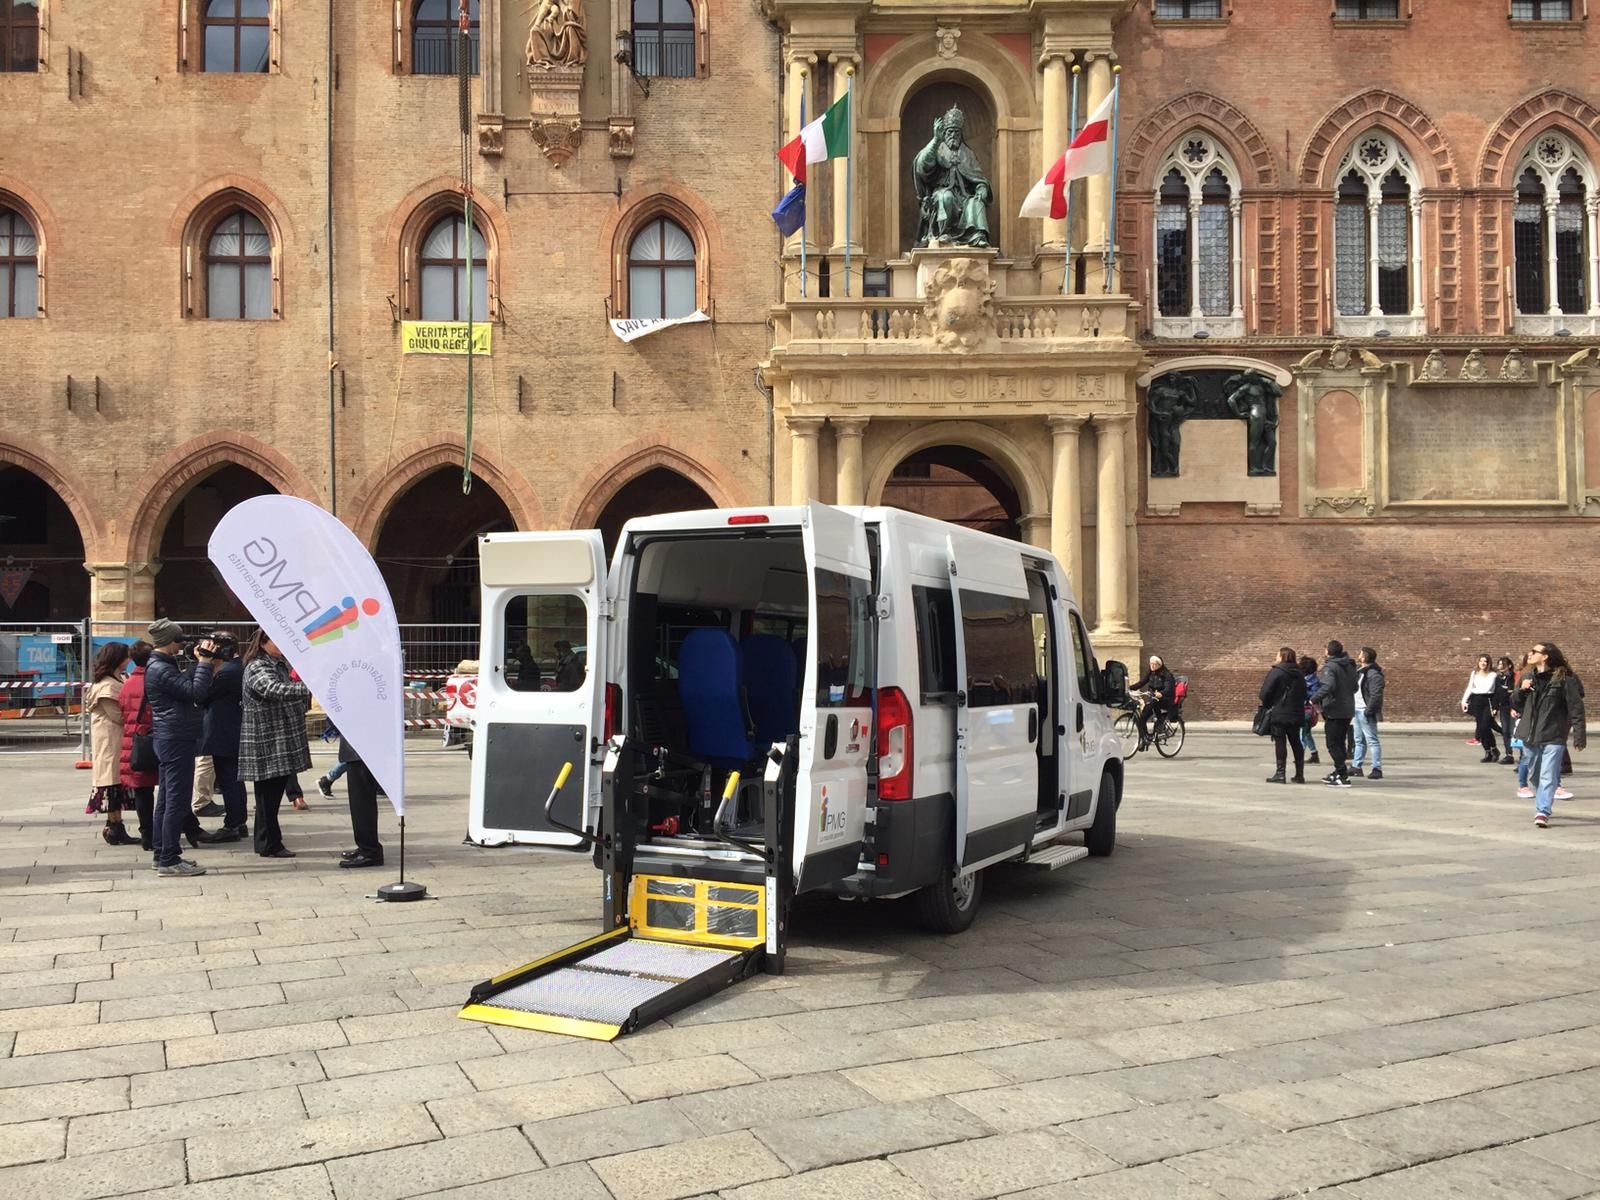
[[403, 890]]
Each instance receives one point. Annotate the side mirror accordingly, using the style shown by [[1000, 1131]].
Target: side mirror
[[1114, 681]]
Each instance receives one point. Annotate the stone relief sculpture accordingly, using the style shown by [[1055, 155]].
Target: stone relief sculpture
[[1339, 355], [1433, 367], [951, 187], [959, 304], [1515, 367], [1473, 367], [556, 35], [1253, 399], [1170, 400]]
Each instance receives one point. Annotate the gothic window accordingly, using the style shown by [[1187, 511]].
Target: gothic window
[[442, 267], [1554, 215], [1197, 239], [1188, 10], [1541, 10], [661, 271], [1376, 242], [19, 266], [235, 36], [663, 37], [238, 261], [19, 35], [1366, 10], [436, 37]]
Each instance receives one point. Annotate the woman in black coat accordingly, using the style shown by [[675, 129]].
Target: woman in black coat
[[1283, 695]]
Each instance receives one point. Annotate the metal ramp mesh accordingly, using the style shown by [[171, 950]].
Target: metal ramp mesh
[[608, 986]]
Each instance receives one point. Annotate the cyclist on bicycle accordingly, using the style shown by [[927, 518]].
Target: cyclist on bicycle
[[1158, 687]]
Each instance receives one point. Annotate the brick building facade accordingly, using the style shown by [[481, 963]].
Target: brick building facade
[[1387, 210]]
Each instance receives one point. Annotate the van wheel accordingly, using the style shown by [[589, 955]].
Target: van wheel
[[951, 905], [1101, 838]]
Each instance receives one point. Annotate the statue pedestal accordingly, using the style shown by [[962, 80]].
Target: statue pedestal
[[553, 91], [925, 260]]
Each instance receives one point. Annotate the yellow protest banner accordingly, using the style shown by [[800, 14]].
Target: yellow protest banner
[[443, 337]]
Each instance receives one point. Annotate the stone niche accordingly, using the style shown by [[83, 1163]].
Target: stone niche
[[1213, 455]]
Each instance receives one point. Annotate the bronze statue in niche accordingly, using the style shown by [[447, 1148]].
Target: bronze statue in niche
[[1169, 401], [1253, 398], [952, 190]]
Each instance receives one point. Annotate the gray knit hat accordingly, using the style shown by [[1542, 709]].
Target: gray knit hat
[[163, 632]]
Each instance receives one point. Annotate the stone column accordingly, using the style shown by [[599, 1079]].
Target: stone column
[[804, 479], [122, 592], [1236, 223], [1591, 212], [1374, 203], [1552, 204], [847, 433], [1066, 500], [1111, 526], [1097, 190], [844, 69], [1055, 99], [1418, 293], [1195, 311]]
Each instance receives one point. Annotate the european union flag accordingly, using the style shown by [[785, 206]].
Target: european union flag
[[790, 214]]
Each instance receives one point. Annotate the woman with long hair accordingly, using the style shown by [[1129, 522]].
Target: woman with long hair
[[1505, 683], [1552, 711], [105, 741], [272, 737], [1308, 720], [138, 786], [1283, 695], [1478, 700]]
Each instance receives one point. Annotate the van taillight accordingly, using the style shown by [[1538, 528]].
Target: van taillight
[[895, 748], [613, 711], [749, 519]]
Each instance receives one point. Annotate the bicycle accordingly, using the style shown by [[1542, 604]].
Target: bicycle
[[1166, 730]]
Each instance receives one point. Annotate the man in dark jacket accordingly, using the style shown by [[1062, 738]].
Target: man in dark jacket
[[220, 739], [1369, 710], [1336, 697], [177, 693], [1552, 711], [362, 789]]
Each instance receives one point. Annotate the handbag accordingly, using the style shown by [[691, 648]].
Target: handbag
[[141, 746], [1262, 725]]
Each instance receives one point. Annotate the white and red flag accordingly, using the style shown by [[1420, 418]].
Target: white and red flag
[[1089, 154]]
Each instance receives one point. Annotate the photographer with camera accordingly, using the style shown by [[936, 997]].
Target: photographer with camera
[[176, 690], [224, 717]]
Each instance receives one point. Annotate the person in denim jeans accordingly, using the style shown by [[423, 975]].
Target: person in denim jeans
[[1552, 711], [1308, 668], [1369, 709], [177, 692]]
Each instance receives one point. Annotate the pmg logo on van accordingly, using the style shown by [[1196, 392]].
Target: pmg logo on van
[[831, 822], [340, 617]]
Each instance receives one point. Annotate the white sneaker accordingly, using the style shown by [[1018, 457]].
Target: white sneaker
[[1524, 793], [182, 867], [1563, 794]]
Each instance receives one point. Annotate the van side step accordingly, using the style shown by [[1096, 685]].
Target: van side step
[[1053, 858]]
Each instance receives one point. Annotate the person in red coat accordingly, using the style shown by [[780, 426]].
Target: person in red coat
[[141, 785]]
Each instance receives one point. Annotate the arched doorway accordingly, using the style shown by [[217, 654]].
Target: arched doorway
[[658, 490], [187, 587], [41, 552], [922, 108], [957, 484], [427, 549]]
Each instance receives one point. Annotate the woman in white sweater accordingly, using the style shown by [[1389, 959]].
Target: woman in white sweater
[[1478, 700]]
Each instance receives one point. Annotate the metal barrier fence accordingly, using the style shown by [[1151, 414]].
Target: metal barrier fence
[[45, 668]]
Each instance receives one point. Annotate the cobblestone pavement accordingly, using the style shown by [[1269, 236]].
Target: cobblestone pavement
[[1386, 992]]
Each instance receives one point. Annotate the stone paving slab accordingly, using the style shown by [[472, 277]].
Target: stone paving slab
[[1380, 994]]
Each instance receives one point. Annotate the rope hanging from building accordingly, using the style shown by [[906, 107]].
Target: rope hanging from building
[[463, 76]]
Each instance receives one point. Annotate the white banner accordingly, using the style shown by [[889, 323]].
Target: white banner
[[314, 589], [631, 329]]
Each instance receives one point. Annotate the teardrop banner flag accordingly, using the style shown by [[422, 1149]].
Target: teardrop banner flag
[[311, 585]]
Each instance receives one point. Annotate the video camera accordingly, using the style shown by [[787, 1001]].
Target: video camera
[[225, 644]]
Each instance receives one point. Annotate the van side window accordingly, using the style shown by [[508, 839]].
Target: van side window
[[998, 633], [1083, 662], [841, 640], [544, 641], [936, 641]]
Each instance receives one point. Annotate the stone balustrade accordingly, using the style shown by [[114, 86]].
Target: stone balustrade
[[1060, 319]]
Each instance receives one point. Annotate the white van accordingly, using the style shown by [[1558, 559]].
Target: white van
[[931, 692]]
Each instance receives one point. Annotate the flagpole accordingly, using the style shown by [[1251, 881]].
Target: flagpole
[[805, 200], [849, 163], [1111, 229], [1072, 132]]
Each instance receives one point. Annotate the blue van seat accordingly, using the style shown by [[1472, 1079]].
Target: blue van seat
[[713, 707], [769, 680]]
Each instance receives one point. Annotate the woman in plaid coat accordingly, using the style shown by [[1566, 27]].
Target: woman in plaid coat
[[272, 738]]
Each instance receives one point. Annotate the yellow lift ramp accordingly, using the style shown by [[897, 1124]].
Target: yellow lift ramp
[[684, 939]]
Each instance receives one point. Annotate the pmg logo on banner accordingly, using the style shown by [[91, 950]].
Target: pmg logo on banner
[[342, 616]]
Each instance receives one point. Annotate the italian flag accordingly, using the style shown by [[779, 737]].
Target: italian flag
[[1089, 154], [826, 137]]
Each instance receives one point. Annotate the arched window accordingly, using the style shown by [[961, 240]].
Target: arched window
[[1198, 261], [236, 36], [436, 37], [661, 271], [238, 261], [19, 266], [663, 37], [443, 270], [1377, 243], [1554, 239], [19, 35]]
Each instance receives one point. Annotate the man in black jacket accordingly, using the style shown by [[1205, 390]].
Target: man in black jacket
[[1336, 697], [1369, 710], [223, 720], [177, 694], [362, 789]]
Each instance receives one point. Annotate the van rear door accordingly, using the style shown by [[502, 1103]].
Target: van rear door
[[836, 699], [541, 685], [997, 717]]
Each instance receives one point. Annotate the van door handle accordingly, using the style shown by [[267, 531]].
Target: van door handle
[[961, 699], [1079, 707], [1033, 726], [830, 736]]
